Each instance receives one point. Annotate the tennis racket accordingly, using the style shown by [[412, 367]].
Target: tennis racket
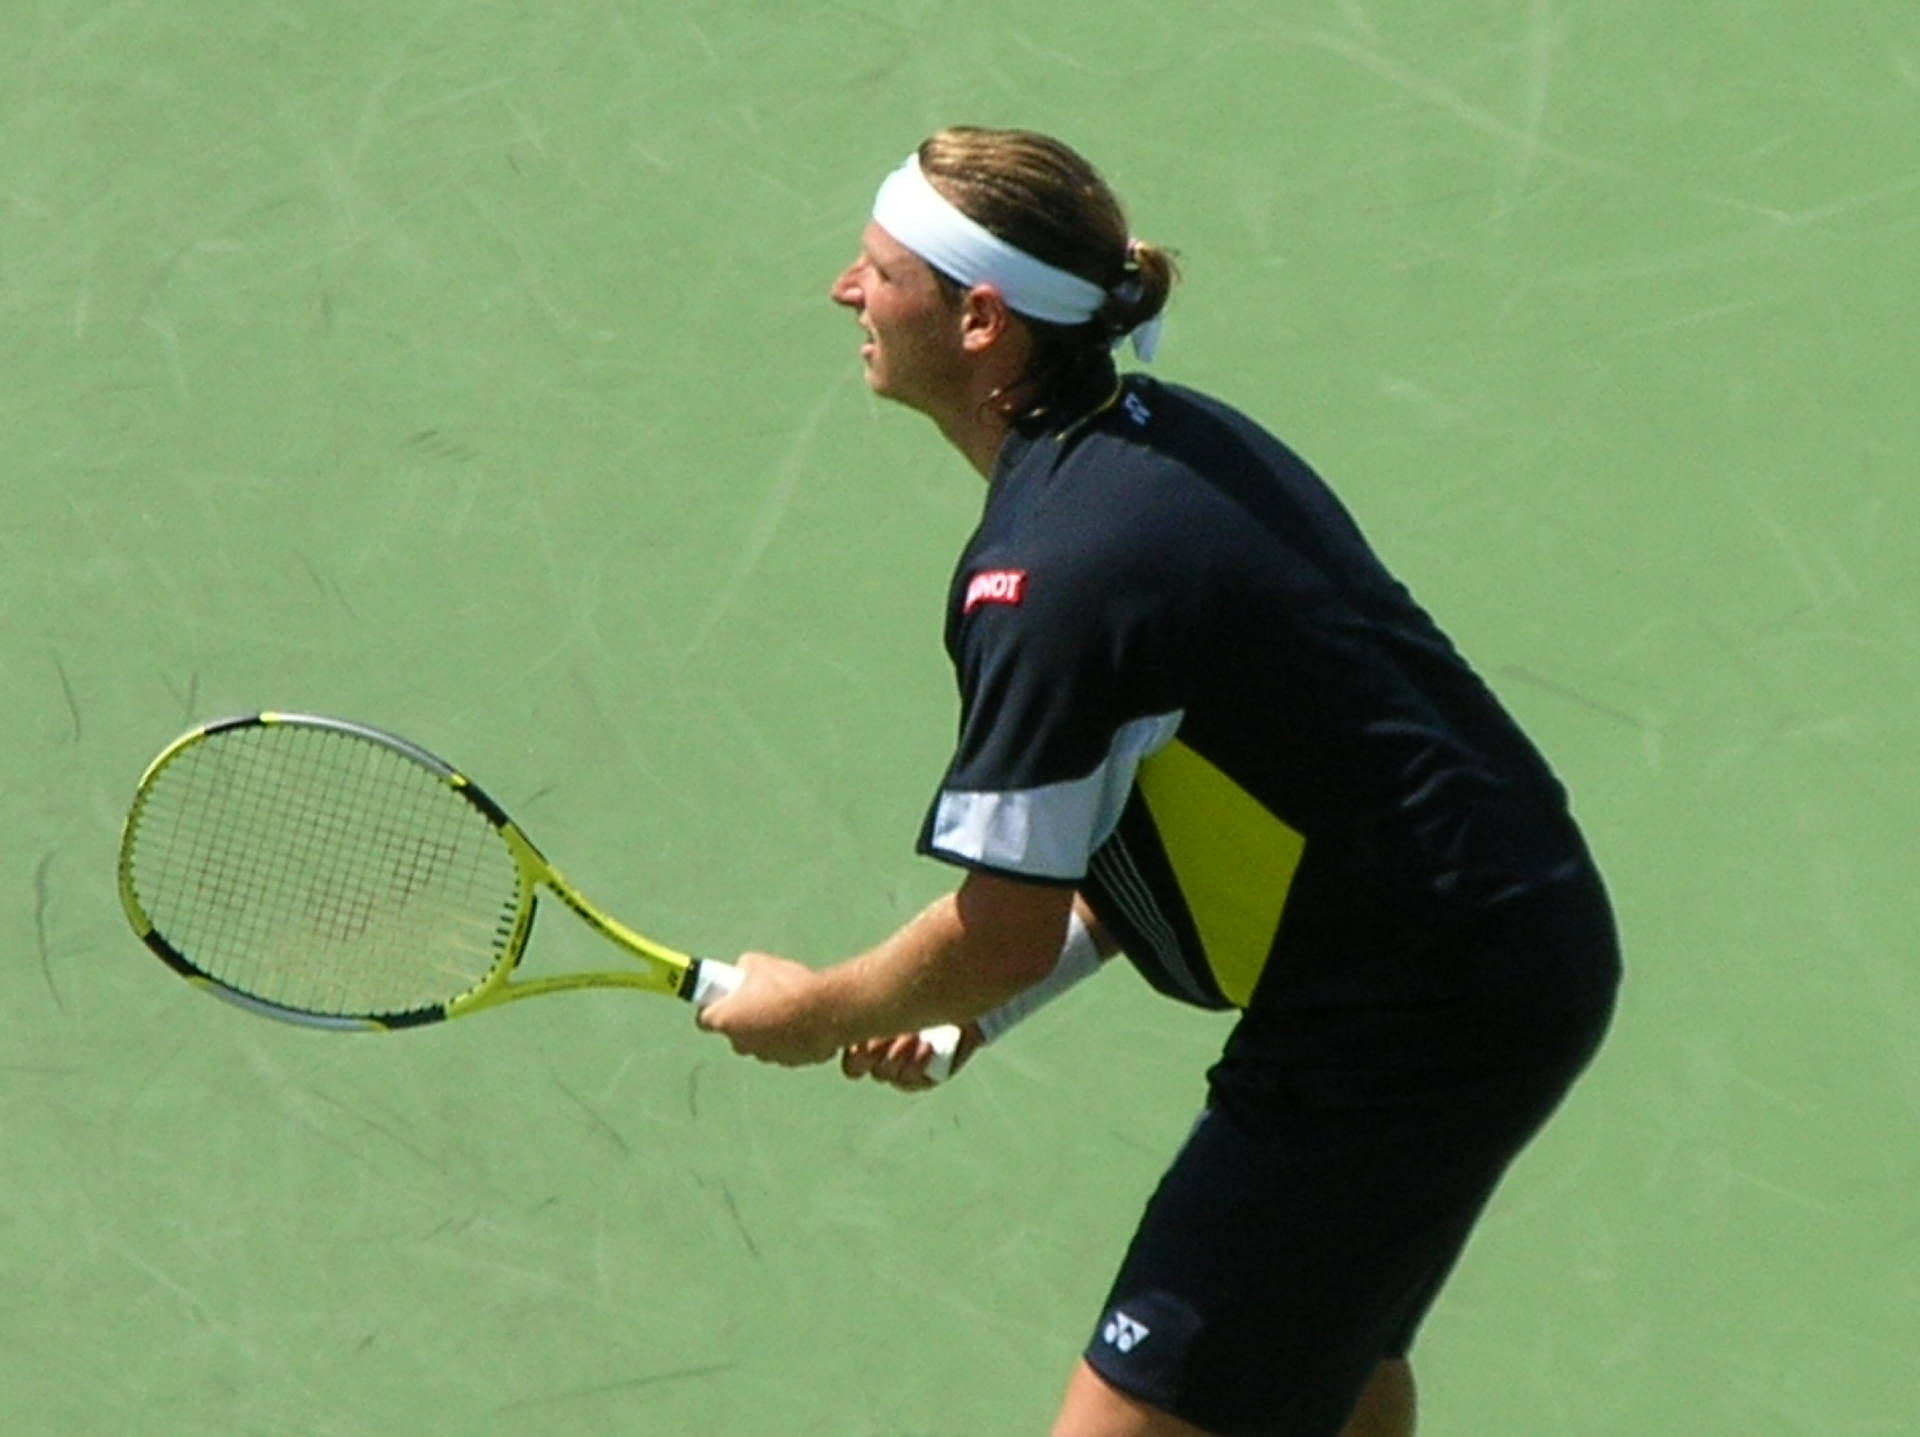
[[326, 873]]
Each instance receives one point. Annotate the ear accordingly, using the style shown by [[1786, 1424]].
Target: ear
[[984, 319]]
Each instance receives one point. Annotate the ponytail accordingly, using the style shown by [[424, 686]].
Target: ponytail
[[1142, 293]]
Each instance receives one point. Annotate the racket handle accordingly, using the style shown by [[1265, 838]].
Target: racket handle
[[945, 1042], [714, 980]]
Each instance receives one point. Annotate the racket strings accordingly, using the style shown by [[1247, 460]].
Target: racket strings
[[322, 871]]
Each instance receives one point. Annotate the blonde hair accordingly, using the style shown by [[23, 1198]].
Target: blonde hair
[[1040, 195]]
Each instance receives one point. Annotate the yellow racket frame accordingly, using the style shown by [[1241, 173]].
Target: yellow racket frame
[[659, 969]]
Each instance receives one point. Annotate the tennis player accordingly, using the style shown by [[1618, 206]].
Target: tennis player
[[1203, 725]]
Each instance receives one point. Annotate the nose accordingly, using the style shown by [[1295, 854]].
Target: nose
[[846, 289]]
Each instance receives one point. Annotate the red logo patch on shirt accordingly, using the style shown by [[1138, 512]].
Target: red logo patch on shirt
[[995, 586]]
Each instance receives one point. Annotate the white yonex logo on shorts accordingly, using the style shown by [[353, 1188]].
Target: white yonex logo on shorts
[[1123, 1332]]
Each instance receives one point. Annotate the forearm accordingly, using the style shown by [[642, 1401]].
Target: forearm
[[1085, 949], [963, 956], [903, 1060], [966, 954]]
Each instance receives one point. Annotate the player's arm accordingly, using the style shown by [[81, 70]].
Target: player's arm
[[904, 1060], [964, 955]]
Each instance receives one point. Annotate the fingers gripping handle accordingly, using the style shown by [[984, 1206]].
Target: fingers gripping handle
[[714, 980]]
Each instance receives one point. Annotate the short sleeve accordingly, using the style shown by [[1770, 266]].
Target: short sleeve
[[1052, 727]]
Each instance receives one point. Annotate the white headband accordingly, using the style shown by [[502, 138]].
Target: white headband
[[926, 222]]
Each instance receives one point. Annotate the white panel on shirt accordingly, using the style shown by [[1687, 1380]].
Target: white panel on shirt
[[1051, 831]]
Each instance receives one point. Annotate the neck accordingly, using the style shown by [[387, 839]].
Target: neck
[[977, 433], [970, 412], [972, 422], [977, 426]]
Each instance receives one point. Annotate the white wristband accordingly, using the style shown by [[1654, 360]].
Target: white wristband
[[1079, 957]]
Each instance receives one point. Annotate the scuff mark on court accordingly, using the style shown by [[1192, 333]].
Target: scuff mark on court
[[40, 927], [778, 500], [1524, 675], [732, 1205], [740, 1223], [190, 701], [630, 1384], [598, 1123], [73, 701], [693, 1091]]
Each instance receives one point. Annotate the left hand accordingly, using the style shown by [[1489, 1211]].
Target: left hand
[[774, 1016], [901, 1062]]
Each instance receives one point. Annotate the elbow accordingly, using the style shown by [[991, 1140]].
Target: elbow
[[1013, 928], [1028, 963]]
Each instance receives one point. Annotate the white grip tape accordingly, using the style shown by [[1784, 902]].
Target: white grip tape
[[714, 980], [945, 1042]]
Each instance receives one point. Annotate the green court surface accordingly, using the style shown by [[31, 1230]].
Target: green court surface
[[467, 369]]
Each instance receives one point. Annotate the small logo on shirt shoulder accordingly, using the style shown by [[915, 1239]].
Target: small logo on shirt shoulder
[[995, 586]]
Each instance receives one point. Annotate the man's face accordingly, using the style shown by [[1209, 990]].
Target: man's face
[[912, 352]]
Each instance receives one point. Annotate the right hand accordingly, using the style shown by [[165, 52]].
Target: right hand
[[901, 1062]]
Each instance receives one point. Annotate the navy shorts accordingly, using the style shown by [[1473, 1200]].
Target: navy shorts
[[1341, 1161]]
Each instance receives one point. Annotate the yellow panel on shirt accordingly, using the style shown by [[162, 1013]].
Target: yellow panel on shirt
[[1233, 859]]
